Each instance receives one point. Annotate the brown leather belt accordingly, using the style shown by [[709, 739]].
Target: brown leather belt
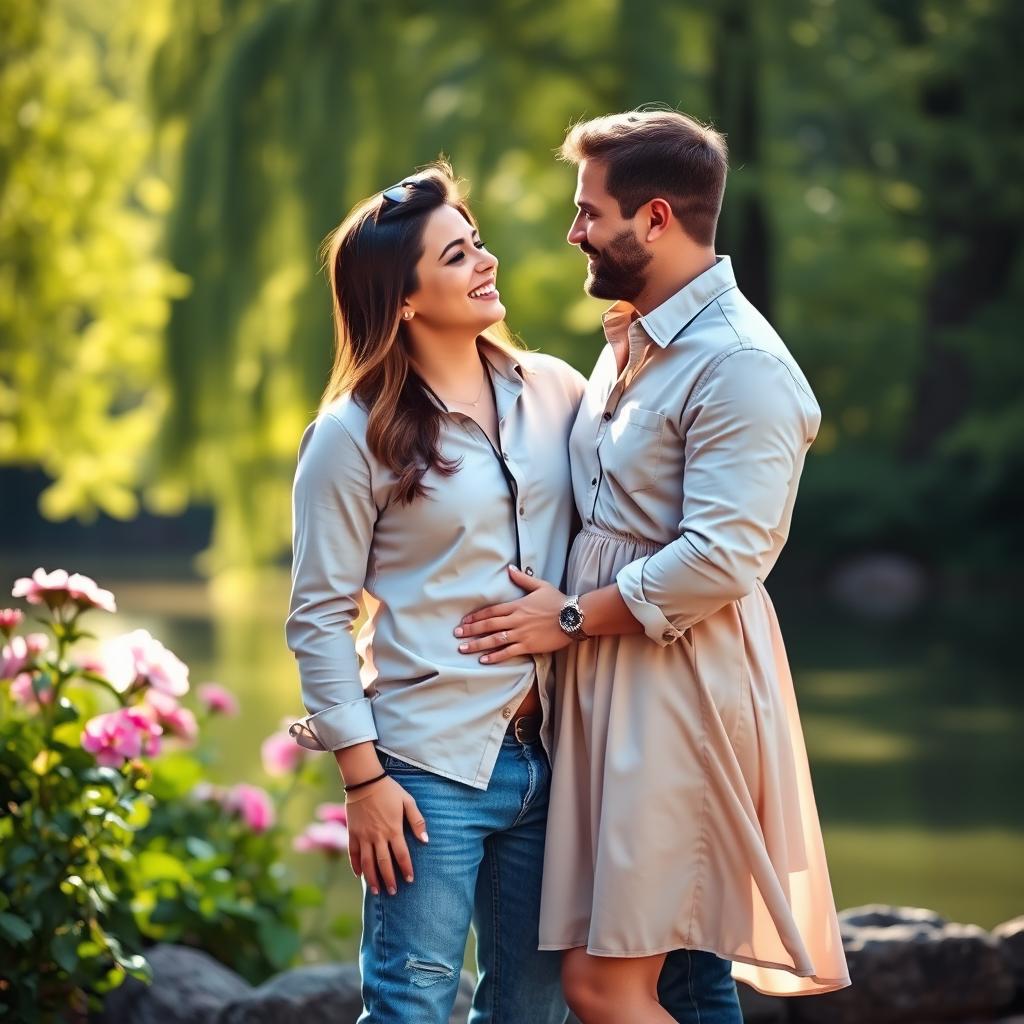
[[525, 728]]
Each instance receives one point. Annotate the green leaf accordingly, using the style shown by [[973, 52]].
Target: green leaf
[[14, 928], [165, 912], [114, 819], [103, 775], [21, 855], [70, 884], [64, 947], [239, 909], [139, 967], [65, 712], [155, 866], [200, 848], [280, 942], [174, 775], [139, 815], [67, 823]]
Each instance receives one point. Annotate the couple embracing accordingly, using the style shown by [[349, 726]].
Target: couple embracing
[[573, 728]]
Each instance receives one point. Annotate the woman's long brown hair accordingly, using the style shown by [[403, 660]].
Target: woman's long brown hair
[[371, 262]]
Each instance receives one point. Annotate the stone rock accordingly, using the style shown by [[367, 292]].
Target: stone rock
[[313, 993], [879, 586], [1011, 934], [913, 967], [189, 986], [318, 994], [882, 915]]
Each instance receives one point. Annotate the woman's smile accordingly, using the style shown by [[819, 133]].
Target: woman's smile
[[485, 292]]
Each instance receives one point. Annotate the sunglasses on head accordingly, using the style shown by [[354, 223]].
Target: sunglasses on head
[[397, 194]]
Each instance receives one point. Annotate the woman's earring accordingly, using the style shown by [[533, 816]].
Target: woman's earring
[[407, 315]]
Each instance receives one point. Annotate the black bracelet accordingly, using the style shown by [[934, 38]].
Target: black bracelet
[[359, 785]]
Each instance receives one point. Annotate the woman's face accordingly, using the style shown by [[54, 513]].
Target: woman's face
[[456, 277]]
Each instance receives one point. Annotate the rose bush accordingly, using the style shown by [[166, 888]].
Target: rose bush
[[112, 837]]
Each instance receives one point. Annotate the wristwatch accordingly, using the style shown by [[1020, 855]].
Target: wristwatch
[[570, 618]]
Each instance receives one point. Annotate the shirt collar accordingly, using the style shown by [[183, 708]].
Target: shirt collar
[[666, 322], [505, 364], [508, 372]]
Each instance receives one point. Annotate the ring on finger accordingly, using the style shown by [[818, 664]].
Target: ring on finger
[[504, 636]]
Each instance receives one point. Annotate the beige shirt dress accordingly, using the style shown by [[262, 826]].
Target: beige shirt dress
[[682, 813]]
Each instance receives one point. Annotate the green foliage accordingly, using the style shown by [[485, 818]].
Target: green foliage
[[856, 203], [205, 879], [102, 853], [874, 213], [84, 296], [67, 850]]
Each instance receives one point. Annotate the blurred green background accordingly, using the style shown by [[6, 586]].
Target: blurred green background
[[169, 169]]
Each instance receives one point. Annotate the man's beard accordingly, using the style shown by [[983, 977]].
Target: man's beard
[[617, 271]]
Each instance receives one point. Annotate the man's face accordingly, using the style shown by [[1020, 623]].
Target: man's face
[[616, 257]]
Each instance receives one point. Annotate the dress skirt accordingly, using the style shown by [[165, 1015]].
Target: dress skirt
[[682, 813]]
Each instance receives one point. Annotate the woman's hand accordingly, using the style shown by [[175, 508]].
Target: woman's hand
[[527, 626], [376, 834]]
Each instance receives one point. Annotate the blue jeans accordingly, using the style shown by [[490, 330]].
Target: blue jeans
[[696, 987], [482, 866]]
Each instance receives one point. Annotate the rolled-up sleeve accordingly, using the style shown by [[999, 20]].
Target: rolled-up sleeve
[[749, 426], [333, 515]]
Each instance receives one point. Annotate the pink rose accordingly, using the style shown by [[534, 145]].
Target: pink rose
[[10, 618], [86, 662], [333, 812], [56, 587], [43, 586], [23, 692], [19, 653], [253, 804], [217, 700], [329, 837], [86, 594], [36, 643], [13, 657], [137, 657], [118, 735], [175, 719], [281, 754]]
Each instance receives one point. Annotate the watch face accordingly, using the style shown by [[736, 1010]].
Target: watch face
[[570, 619]]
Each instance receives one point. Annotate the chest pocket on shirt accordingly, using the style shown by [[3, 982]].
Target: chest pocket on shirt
[[632, 455]]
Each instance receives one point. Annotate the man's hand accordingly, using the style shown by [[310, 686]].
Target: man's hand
[[526, 626]]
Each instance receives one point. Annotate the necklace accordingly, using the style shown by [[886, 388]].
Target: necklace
[[476, 401]]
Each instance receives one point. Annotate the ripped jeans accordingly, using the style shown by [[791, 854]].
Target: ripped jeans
[[482, 866]]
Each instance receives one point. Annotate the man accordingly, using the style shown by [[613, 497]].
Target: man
[[682, 829]]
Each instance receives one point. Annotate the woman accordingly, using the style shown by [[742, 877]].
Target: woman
[[438, 458]]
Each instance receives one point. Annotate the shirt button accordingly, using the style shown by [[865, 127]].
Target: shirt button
[[590, 522], [606, 417], [593, 483], [522, 510], [528, 570], [504, 455], [506, 712], [668, 636]]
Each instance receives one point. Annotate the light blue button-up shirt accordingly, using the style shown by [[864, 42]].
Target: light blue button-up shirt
[[697, 446], [426, 565]]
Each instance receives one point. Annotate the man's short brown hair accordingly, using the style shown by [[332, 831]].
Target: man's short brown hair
[[657, 153]]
